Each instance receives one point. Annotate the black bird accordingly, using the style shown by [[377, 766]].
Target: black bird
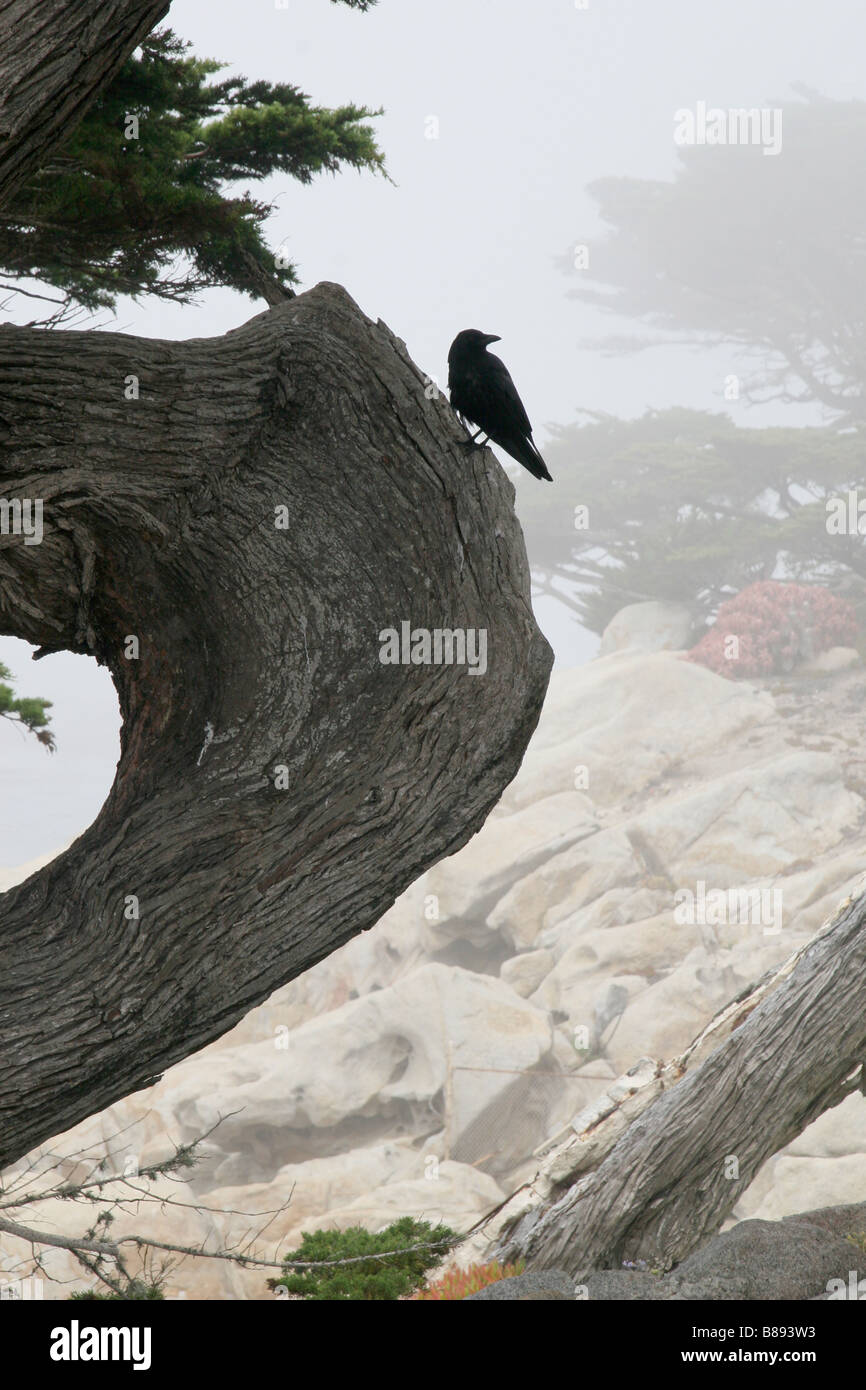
[[483, 393]]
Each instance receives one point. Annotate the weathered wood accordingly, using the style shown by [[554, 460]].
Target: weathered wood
[[55, 57], [259, 649], [648, 1175]]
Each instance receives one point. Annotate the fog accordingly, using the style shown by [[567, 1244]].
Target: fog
[[497, 116]]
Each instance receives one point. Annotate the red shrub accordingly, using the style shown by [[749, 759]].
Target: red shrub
[[457, 1283], [776, 626]]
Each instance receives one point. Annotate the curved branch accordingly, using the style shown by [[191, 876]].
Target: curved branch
[[278, 784], [54, 60]]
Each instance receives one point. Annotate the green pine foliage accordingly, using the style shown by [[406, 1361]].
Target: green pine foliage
[[136, 1291], [375, 1278], [29, 711], [134, 201]]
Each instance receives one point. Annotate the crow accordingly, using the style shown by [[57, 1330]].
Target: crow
[[483, 393]]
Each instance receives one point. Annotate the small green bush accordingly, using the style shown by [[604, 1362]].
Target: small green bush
[[372, 1278], [136, 1290]]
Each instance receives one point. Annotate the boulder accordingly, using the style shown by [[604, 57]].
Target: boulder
[[444, 1039], [467, 886], [832, 660], [525, 973], [618, 725], [546, 1285], [793, 1183], [390, 1057], [653, 626]]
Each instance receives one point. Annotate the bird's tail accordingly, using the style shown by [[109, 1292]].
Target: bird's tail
[[530, 458]]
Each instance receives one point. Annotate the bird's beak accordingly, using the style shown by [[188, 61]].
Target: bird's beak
[[491, 338]]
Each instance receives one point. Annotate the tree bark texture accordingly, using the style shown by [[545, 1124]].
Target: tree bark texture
[[278, 784], [649, 1175], [55, 57]]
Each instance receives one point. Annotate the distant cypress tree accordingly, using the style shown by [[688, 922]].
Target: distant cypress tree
[[764, 254], [683, 505]]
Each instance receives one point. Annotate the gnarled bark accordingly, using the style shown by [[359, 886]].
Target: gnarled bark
[[649, 1174], [55, 57], [259, 650]]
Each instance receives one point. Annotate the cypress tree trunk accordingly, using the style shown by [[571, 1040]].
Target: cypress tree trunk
[[654, 1174], [55, 57], [228, 525], [278, 784]]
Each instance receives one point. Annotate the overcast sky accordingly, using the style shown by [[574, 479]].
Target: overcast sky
[[533, 102]]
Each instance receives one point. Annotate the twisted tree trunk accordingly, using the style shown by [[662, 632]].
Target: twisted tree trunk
[[278, 784], [651, 1172], [228, 526]]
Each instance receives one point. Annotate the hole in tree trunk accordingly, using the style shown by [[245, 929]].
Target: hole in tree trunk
[[48, 800]]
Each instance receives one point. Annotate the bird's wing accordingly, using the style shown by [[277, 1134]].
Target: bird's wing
[[456, 373], [486, 395], [508, 405], [464, 388]]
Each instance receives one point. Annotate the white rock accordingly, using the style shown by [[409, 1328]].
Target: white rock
[[805, 1184], [833, 659], [457, 1196], [834, 1134], [652, 627], [646, 775], [178, 1222], [468, 885], [618, 725], [563, 884], [525, 973], [385, 1058], [754, 822]]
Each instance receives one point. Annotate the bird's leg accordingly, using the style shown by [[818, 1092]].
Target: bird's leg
[[473, 442]]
